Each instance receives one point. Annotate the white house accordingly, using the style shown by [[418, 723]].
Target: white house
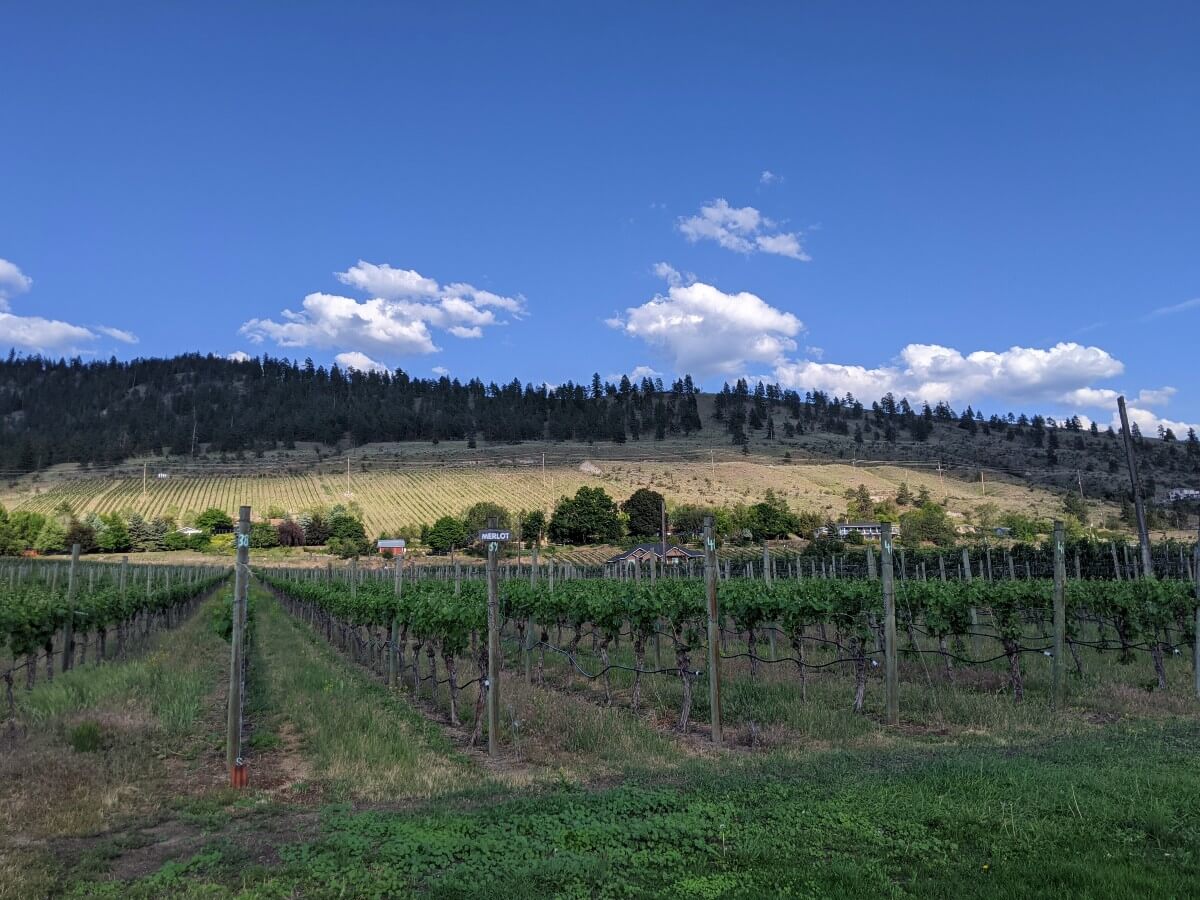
[[872, 531]]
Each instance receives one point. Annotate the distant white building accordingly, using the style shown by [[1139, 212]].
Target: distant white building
[[1175, 495], [872, 531]]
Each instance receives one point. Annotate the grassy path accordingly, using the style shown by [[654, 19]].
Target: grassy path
[[105, 744], [354, 740]]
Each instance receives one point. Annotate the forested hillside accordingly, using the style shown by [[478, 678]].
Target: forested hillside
[[208, 408]]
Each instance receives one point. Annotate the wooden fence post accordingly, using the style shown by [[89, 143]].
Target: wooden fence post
[[890, 671], [1196, 640], [530, 625], [1060, 618], [493, 622], [233, 729], [68, 659], [714, 630], [394, 631]]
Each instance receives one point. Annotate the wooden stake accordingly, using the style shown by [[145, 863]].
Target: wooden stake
[[68, 659], [233, 725], [493, 621], [714, 630], [1058, 675], [891, 671], [394, 633], [530, 625], [1139, 507], [1196, 639]]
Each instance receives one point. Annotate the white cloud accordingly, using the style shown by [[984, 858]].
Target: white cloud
[[744, 230], [440, 370], [1062, 373], [239, 356], [118, 334], [636, 374], [12, 281], [397, 319], [384, 281], [769, 177], [1160, 397], [360, 362], [39, 334], [1148, 421], [703, 329], [1194, 303], [667, 273]]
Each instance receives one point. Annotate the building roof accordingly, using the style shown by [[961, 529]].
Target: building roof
[[390, 543], [656, 549]]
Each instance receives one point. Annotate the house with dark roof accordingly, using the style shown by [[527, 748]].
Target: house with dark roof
[[673, 556]]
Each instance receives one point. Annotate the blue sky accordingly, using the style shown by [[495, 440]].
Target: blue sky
[[991, 203]]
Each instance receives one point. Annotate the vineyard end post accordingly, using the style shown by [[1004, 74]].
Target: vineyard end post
[[493, 622], [1138, 505], [714, 629], [233, 730], [1060, 617], [394, 633], [69, 624], [1196, 634], [529, 624], [890, 672]]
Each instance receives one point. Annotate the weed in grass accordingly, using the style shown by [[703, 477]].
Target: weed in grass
[[86, 737]]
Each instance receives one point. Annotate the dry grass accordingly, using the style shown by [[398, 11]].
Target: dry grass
[[390, 498]]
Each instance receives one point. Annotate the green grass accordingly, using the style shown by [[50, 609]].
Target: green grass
[[362, 742], [171, 680], [1115, 815]]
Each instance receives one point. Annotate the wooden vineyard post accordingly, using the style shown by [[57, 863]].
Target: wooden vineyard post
[[1196, 639], [890, 672], [233, 725], [1138, 506], [493, 623], [1060, 618], [394, 632], [69, 626], [972, 613], [714, 629], [530, 625]]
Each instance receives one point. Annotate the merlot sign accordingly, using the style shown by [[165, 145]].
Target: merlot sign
[[494, 535]]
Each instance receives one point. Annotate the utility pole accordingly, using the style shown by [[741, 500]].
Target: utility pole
[[712, 459], [982, 485], [241, 576], [890, 667], [143, 481], [543, 470], [1138, 506], [493, 622], [714, 629], [1060, 617], [347, 474]]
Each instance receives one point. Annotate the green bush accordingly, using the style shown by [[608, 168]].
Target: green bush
[[263, 535]]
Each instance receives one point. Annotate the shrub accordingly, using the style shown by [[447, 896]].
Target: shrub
[[263, 535]]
